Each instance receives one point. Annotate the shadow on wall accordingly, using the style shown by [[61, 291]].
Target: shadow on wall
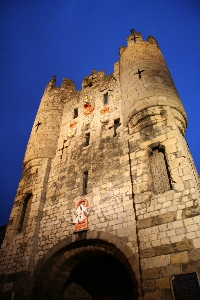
[[2, 233]]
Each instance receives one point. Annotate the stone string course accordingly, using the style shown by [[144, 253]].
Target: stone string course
[[153, 235]]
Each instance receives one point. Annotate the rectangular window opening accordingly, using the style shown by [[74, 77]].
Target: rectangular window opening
[[160, 171], [75, 113], [87, 139], [117, 121], [105, 98], [116, 125], [85, 182], [25, 213]]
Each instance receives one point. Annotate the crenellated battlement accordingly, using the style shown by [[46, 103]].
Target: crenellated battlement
[[135, 39]]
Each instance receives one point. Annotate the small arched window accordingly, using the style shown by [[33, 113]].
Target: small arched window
[[159, 169], [25, 213]]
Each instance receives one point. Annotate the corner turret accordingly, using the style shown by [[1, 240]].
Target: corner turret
[[46, 128], [145, 80]]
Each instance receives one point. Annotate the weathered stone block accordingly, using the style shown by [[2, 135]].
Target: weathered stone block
[[168, 294], [164, 249], [149, 285], [158, 295], [151, 273], [157, 261], [196, 243], [192, 266], [180, 258], [165, 218], [184, 245], [148, 252], [163, 283], [169, 270], [194, 255], [145, 223]]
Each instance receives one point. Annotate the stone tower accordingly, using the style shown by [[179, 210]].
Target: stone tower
[[108, 203]]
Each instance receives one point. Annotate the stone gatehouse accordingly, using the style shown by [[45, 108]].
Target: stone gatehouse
[[108, 203]]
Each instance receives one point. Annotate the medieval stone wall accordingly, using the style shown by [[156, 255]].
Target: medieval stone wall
[[168, 223], [109, 190], [142, 187]]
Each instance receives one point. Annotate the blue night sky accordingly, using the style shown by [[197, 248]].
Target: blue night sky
[[69, 38]]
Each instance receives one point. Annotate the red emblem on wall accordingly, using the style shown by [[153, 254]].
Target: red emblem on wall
[[72, 129], [80, 218], [87, 106], [104, 114]]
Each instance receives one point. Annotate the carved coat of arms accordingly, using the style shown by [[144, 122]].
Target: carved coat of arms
[[80, 218], [88, 110], [72, 129], [104, 114]]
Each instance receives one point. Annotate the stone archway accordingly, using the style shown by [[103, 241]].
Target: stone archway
[[101, 276], [90, 269]]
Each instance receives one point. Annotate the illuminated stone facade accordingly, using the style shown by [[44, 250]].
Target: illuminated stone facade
[[113, 159]]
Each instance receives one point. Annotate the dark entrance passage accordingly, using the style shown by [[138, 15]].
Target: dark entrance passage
[[101, 277], [90, 269]]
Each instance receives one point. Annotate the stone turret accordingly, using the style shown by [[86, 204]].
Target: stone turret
[[146, 82], [46, 128]]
